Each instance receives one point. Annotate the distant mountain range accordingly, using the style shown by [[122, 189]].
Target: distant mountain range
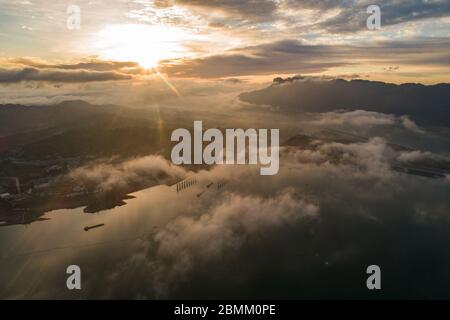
[[77, 128], [15, 118], [427, 105]]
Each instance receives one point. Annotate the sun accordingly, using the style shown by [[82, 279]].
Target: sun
[[141, 43]]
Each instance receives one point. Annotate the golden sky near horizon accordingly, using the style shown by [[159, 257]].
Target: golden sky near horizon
[[210, 39]]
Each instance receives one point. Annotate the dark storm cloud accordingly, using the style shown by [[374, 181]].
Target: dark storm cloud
[[292, 56], [46, 75]]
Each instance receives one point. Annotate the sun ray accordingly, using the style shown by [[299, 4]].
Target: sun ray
[[167, 82]]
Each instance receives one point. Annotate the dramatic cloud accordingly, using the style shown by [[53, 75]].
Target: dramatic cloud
[[45, 75], [91, 70], [215, 27], [229, 38], [94, 65], [279, 57], [256, 9], [293, 56], [351, 14]]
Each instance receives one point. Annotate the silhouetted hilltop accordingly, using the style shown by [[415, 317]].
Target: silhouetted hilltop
[[428, 105], [15, 118], [77, 129]]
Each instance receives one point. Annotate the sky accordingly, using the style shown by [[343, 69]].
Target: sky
[[127, 40], [306, 232]]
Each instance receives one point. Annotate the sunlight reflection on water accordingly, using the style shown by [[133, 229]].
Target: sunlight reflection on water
[[50, 246]]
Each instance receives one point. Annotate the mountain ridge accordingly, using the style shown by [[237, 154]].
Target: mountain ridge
[[426, 104]]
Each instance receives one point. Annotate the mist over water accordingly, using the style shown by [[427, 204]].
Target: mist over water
[[306, 232]]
